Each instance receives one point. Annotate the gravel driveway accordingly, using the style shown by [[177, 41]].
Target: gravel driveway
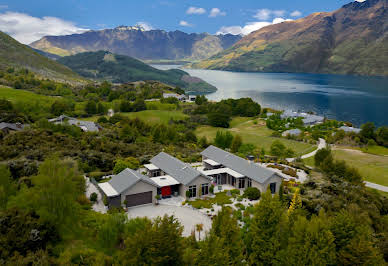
[[187, 217]]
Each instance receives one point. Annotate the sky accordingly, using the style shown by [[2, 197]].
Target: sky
[[29, 20]]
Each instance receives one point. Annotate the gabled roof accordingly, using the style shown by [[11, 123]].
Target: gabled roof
[[179, 170], [238, 164], [84, 125], [16, 126], [128, 178]]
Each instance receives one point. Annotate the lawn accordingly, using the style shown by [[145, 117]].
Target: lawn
[[24, 96], [220, 199], [257, 134], [377, 150], [372, 167]]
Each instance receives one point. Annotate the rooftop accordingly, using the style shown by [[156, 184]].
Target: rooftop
[[165, 180], [127, 178], [238, 164]]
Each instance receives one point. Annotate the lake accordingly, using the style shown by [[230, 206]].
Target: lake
[[345, 98]]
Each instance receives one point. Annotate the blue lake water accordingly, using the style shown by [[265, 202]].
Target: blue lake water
[[346, 98]]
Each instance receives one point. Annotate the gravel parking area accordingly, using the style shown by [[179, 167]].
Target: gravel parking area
[[187, 216]]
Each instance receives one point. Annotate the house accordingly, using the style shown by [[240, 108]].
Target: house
[[130, 188], [350, 129], [192, 98], [292, 132], [175, 177], [180, 97], [308, 119], [226, 168], [8, 127], [86, 126]]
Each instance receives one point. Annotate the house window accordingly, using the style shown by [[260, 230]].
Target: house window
[[272, 187], [205, 189], [249, 182], [241, 183], [155, 173], [193, 191]]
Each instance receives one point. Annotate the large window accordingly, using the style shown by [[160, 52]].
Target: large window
[[205, 189], [249, 182], [272, 187], [193, 191], [241, 183]]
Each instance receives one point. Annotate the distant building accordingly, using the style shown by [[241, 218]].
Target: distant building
[[180, 97], [8, 127], [350, 129], [308, 119], [192, 98], [86, 126], [292, 132]]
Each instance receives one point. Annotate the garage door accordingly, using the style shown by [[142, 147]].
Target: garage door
[[139, 199]]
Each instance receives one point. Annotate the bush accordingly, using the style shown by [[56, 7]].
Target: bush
[[211, 189], [105, 201], [93, 197], [252, 193], [235, 192]]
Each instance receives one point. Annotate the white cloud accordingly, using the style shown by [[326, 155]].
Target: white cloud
[[296, 13], [3, 7], [27, 29], [265, 14], [195, 10], [249, 27], [214, 12], [145, 25], [185, 23]]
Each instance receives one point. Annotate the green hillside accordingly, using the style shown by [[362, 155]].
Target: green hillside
[[15, 54], [104, 65]]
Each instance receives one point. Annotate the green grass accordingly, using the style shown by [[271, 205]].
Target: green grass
[[23, 96], [309, 161], [377, 150], [256, 134], [373, 168], [220, 199]]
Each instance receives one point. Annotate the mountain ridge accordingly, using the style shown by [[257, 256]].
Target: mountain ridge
[[350, 40], [139, 43]]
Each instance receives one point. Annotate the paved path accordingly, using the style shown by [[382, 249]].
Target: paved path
[[99, 205], [376, 186], [187, 216], [321, 145]]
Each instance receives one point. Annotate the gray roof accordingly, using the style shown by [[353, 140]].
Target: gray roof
[[179, 170], [292, 132], [12, 126], [84, 125], [238, 164], [350, 129], [128, 178]]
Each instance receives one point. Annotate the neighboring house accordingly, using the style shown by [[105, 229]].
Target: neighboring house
[[227, 168], [175, 177], [8, 127], [308, 119], [86, 126], [180, 97], [292, 132], [130, 188], [192, 98], [350, 129]]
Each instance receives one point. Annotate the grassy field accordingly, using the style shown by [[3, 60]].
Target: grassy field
[[373, 168], [150, 116], [257, 134], [14, 95], [377, 150]]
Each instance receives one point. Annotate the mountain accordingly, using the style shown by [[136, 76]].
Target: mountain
[[103, 65], [138, 43], [46, 54], [351, 40], [15, 54]]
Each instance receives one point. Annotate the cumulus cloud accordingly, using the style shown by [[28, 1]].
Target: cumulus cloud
[[195, 10], [27, 29], [145, 25], [214, 12], [249, 27], [265, 14], [185, 23], [296, 13]]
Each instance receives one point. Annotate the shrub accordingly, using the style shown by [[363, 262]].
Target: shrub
[[211, 189], [239, 198], [93, 197], [252, 193], [290, 172], [105, 200], [188, 194], [235, 192]]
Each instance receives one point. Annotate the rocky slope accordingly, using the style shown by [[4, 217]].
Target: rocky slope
[[351, 40], [15, 54], [138, 43], [104, 65]]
